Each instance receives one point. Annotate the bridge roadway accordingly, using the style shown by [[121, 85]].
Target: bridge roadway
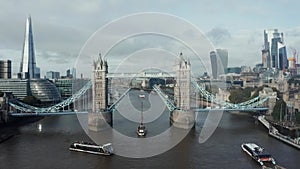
[[14, 114]]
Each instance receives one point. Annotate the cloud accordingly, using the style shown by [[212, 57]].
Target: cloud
[[218, 35], [61, 28]]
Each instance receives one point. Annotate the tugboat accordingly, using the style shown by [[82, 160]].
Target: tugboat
[[258, 153], [86, 147], [141, 130]]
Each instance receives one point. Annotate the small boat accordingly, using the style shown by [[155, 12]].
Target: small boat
[[258, 153], [142, 96], [86, 147], [141, 130]]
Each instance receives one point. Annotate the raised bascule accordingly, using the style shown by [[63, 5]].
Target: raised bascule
[[100, 115]]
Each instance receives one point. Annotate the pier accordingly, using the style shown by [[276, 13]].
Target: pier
[[275, 133]]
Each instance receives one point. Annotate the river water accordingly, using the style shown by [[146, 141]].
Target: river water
[[44, 144]]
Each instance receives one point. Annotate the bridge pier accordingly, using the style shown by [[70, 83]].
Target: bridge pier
[[183, 119], [99, 121], [4, 116]]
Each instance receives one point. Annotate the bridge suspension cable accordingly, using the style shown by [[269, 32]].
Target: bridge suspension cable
[[244, 105], [165, 99]]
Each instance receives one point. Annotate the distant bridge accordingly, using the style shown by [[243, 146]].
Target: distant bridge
[[142, 75]]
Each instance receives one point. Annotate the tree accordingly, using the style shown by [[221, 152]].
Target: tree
[[240, 95], [298, 117], [31, 100], [279, 109]]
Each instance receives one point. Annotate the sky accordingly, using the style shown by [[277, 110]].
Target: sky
[[62, 28]]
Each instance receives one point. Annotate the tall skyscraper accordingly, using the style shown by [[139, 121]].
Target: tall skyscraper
[[274, 52], [28, 67], [214, 65], [223, 55], [219, 62]]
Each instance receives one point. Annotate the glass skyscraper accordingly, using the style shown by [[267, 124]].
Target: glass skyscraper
[[219, 62], [28, 67], [275, 50]]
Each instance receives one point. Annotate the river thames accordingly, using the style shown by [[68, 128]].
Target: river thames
[[45, 143]]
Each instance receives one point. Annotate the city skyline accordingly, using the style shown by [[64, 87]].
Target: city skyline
[[59, 36]]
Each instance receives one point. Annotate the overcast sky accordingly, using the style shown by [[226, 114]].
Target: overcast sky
[[61, 28]]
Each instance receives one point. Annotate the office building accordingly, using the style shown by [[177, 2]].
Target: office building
[[236, 70], [64, 87], [19, 87], [223, 55], [274, 54], [219, 62], [42, 89], [52, 75], [5, 69], [28, 67]]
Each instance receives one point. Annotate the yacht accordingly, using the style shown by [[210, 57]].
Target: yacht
[[105, 149], [258, 153]]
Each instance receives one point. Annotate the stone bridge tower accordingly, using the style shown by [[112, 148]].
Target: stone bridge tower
[[184, 117], [100, 87], [99, 118], [182, 89]]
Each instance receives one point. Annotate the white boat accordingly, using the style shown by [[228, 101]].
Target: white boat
[[142, 96], [258, 153], [105, 149]]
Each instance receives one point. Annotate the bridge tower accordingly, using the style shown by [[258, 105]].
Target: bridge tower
[[184, 117], [100, 87], [99, 118], [182, 89]]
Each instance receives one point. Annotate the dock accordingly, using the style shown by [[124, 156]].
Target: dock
[[293, 142], [264, 121], [275, 133]]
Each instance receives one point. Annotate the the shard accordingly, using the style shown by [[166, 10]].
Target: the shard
[[28, 67]]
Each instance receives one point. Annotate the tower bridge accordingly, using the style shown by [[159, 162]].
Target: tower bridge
[[182, 114]]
